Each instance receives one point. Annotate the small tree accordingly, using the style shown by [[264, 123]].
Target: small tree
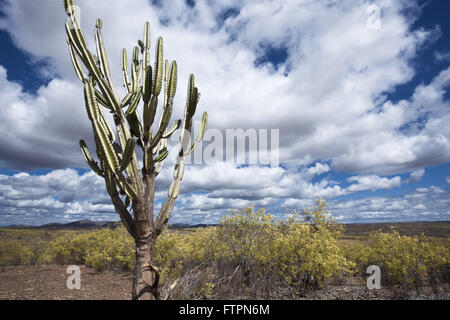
[[130, 186]]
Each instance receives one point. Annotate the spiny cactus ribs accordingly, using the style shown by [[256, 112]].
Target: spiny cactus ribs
[[117, 159]]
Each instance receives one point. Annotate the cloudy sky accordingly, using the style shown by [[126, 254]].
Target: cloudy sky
[[362, 105]]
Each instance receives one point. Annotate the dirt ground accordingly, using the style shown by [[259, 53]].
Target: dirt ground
[[49, 283]]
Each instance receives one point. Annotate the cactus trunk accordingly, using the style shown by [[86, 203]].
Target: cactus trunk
[[145, 275], [145, 278]]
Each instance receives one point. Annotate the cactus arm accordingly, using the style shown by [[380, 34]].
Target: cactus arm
[[76, 62], [147, 84], [134, 69], [168, 106], [149, 116], [105, 125], [125, 75], [189, 111], [162, 156], [167, 208], [103, 59], [74, 43], [140, 72], [159, 64], [90, 161], [174, 190], [175, 126], [151, 86], [135, 125], [147, 71], [78, 39], [200, 133], [172, 81], [93, 113], [162, 148], [127, 154], [164, 215], [164, 123], [107, 148], [127, 99], [119, 206], [134, 102], [166, 80], [102, 100], [101, 54]]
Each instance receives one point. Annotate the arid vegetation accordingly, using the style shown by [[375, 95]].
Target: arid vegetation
[[250, 254]]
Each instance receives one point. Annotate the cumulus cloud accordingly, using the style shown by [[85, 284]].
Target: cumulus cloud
[[420, 205], [42, 130], [373, 183], [31, 199], [417, 175]]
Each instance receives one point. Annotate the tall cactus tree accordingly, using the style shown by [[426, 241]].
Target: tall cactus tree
[[132, 188]]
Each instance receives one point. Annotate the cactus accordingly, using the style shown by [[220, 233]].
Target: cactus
[[117, 159]]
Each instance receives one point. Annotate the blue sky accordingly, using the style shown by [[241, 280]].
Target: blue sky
[[363, 113]]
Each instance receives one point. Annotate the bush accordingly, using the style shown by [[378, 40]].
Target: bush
[[306, 254], [15, 253], [406, 262], [101, 249], [304, 258], [298, 253]]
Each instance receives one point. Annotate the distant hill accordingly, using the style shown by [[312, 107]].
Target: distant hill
[[82, 224], [185, 226], [89, 224], [435, 229]]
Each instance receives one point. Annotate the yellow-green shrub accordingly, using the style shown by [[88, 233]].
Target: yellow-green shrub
[[358, 253], [245, 237], [101, 249], [15, 253], [405, 261], [169, 254], [301, 253], [305, 257]]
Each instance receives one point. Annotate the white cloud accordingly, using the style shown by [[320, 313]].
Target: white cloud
[[417, 175], [415, 206], [440, 56], [55, 196], [373, 183], [318, 169]]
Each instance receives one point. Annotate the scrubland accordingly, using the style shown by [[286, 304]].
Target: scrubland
[[252, 255]]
